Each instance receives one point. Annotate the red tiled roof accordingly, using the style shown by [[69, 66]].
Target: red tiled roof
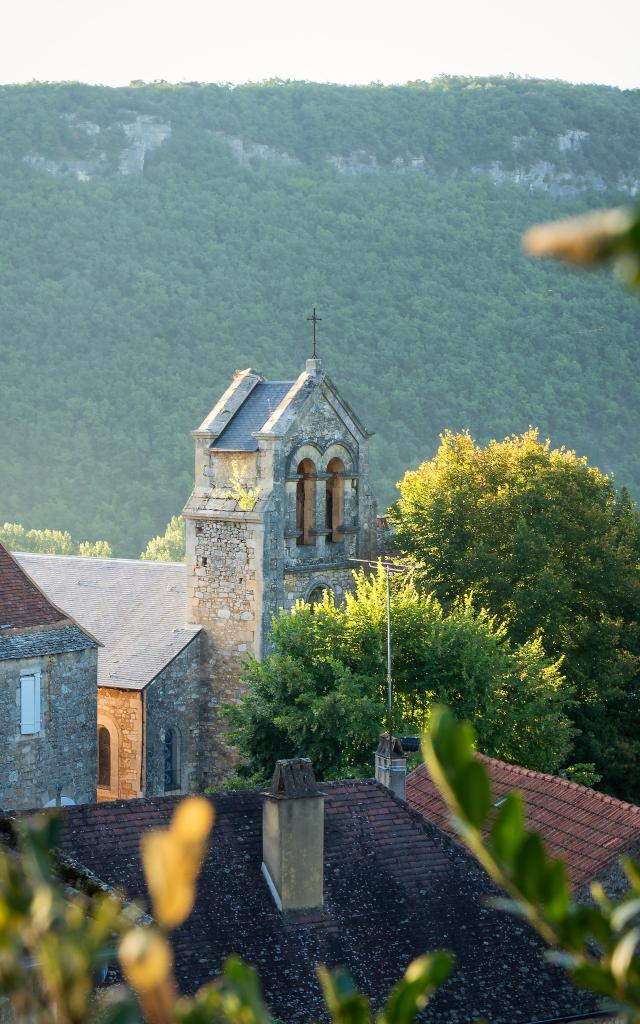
[[586, 828], [22, 604]]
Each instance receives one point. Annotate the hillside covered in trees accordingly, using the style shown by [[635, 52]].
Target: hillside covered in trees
[[157, 237]]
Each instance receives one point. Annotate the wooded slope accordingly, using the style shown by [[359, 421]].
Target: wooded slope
[[155, 238]]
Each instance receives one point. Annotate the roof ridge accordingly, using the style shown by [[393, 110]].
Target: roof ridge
[[92, 559], [560, 781]]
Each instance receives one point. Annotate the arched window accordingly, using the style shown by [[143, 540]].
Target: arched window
[[316, 596], [305, 502], [335, 501], [104, 757], [171, 760]]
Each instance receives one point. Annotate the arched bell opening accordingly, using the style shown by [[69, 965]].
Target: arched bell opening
[[305, 502], [334, 510]]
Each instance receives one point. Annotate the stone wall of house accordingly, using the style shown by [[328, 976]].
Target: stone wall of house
[[121, 712], [177, 700], [59, 760]]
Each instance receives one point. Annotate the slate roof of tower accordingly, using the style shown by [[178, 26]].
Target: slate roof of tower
[[587, 829], [395, 887], [135, 608], [252, 415], [30, 623]]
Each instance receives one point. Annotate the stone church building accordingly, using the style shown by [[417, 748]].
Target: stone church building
[[281, 503]]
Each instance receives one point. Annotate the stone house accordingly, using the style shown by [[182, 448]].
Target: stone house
[[150, 689], [48, 671], [280, 506]]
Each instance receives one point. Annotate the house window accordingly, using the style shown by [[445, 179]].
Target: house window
[[104, 757], [30, 704], [305, 502], [171, 760], [335, 501]]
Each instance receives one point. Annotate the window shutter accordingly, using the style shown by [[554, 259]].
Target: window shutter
[[30, 704], [36, 701]]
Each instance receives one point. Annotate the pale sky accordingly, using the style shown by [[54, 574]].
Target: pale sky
[[353, 41]]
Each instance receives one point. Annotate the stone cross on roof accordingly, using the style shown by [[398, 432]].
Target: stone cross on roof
[[313, 319]]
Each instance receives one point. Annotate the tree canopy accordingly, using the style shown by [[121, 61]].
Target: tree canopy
[[545, 542], [320, 693]]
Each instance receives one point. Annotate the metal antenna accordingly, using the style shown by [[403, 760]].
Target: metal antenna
[[314, 320], [391, 569]]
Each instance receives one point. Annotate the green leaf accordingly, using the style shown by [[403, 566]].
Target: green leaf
[[624, 913], [508, 829], [345, 1004], [422, 977], [474, 792], [530, 867], [623, 954], [631, 869], [556, 890]]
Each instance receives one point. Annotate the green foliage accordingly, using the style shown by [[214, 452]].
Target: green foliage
[[547, 544], [421, 979], [321, 692], [53, 941], [51, 542], [245, 496], [127, 302], [597, 943], [169, 547]]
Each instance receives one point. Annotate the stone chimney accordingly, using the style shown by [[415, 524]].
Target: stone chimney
[[391, 765], [293, 836]]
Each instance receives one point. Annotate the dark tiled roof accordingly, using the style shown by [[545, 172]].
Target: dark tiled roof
[[395, 887], [137, 610], [22, 603], [252, 415], [36, 643], [586, 828]]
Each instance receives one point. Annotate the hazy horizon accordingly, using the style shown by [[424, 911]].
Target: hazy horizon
[[347, 42]]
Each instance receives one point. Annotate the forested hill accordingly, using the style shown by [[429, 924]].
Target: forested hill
[[157, 237]]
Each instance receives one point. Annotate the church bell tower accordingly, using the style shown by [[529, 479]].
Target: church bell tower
[[281, 504]]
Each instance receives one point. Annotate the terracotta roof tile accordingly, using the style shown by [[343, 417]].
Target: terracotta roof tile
[[22, 603], [588, 829], [30, 624]]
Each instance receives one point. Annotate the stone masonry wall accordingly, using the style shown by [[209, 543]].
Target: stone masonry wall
[[225, 596], [60, 760], [299, 585], [123, 708], [175, 700]]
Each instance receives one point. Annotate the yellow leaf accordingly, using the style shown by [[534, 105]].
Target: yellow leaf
[[146, 958], [193, 819]]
